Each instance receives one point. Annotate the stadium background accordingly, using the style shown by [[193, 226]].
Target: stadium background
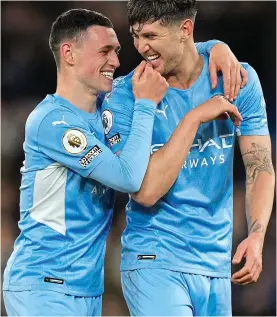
[[29, 73]]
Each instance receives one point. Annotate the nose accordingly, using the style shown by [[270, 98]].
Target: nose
[[140, 45]]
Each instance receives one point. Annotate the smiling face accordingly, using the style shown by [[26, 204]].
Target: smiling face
[[159, 44], [94, 58]]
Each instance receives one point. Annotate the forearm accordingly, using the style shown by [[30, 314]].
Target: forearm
[[260, 182], [165, 164], [126, 171], [259, 201]]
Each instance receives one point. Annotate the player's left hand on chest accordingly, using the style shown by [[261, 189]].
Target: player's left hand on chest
[[235, 76], [251, 250]]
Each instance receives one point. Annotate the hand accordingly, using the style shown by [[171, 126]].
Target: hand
[[223, 59], [148, 83], [251, 249], [216, 108]]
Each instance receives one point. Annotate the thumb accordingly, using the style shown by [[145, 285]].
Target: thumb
[[241, 251], [148, 68], [139, 71], [213, 74]]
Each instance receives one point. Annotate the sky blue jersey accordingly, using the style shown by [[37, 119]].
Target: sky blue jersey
[[190, 228], [65, 196]]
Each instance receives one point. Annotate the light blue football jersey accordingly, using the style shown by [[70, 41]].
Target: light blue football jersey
[[190, 228], [66, 201]]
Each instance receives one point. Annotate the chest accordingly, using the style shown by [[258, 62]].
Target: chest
[[95, 126], [211, 137]]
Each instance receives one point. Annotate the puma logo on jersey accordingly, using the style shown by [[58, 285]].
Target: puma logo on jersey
[[163, 112], [54, 123]]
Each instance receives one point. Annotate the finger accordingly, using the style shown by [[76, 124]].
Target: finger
[[226, 81], [236, 118], [240, 252], [233, 74], [139, 71], [213, 74], [148, 70], [252, 278], [236, 113], [246, 274], [257, 274], [238, 82], [244, 75], [248, 268], [241, 273], [246, 283], [148, 67], [223, 116], [246, 279]]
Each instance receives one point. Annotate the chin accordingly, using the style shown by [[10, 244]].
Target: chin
[[159, 68], [107, 87]]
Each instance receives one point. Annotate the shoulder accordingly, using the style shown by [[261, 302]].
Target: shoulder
[[35, 118], [52, 110], [253, 86], [121, 98], [253, 78], [252, 74], [123, 81], [122, 86]]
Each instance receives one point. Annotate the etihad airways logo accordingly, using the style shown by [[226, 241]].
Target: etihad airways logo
[[223, 142]]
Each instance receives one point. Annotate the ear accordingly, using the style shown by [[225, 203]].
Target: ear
[[186, 28], [66, 52]]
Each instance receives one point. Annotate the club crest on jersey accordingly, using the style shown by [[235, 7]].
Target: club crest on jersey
[[107, 120], [74, 141]]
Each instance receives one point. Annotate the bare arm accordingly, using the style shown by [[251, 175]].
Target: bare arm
[[165, 164], [260, 181]]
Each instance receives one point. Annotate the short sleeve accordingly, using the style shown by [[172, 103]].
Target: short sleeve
[[251, 104], [206, 47]]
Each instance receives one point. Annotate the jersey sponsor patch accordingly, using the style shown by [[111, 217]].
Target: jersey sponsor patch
[[146, 257], [53, 280], [89, 156], [107, 120], [74, 141], [114, 139]]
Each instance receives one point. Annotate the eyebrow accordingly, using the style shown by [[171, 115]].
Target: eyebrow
[[110, 47], [143, 34], [148, 33]]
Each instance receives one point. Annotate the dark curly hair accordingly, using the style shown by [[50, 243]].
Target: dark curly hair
[[167, 11], [72, 24]]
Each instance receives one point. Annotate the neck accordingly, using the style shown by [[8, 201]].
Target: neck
[[76, 93], [187, 71]]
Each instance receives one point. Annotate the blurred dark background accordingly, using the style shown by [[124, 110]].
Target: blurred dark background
[[29, 73]]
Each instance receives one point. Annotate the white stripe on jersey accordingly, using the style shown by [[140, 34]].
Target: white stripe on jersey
[[49, 197]]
